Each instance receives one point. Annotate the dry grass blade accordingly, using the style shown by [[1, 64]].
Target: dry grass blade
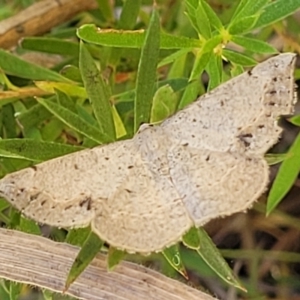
[[41, 262]]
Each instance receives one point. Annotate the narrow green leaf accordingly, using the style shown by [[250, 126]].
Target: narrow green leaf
[[190, 94], [15, 290], [254, 45], [115, 256], [75, 122], [8, 121], [34, 150], [119, 125], [51, 45], [201, 61], [146, 76], [275, 158], [172, 255], [239, 58], [29, 226], [212, 16], [132, 38], [48, 295], [242, 25], [52, 130], [78, 236], [203, 22], [238, 9], [65, 101], [89, 250], [33, 116], [214, 70], [98, 92], [286, 176], [173, 57], [275, 11], [13, 65], [192, 239], [129, 14], [70, 89], [71, 72], [249, 8], [164, 104], [106, 8], [211, 255]]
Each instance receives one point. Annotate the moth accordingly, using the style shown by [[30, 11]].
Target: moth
[[143, 194]]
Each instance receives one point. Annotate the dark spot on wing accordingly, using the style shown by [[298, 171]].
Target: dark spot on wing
[[249, 73], [87, 202], [34, 197], [76, 167], [34, 168], [246, 135], [130, 167], [128, 191]]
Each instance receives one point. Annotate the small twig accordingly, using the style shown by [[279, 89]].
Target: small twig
[[44, 263], [40, 18]]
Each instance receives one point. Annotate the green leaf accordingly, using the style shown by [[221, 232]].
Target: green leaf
[[33, 116], [71, 72], [98, 92], [249, 8], [286, 176], [51, 45], [65, 101], [119, 125], [254, 45], [173, 57], [115, 256], [32, 150], [70, 89], [129, 14], [172, 255], [8, 121], [29, 226], [192, 239], [242, 25], [214, 70], [211, 255], [75, 122], [201, 61], [106, 8], [78, 236], [15, 290], [146, 77], [132, 38], [89, 250], [203, 22], [274, 158], [239, 58], [238, 9], [275, 11], [13, 65], [212, 16], [190, 94], [164, 104]]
